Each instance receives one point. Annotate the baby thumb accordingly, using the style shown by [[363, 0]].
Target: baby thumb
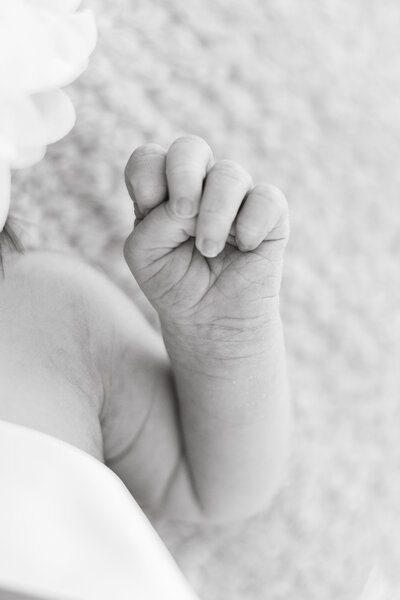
[[156, 236]]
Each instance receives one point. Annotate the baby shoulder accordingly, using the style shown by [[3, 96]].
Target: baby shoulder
[[49, 379], [66, 302], [43, 312], [49, 288]]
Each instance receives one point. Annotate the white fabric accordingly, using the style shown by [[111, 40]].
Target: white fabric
[[44, 45], [377, 587], [69, 528]]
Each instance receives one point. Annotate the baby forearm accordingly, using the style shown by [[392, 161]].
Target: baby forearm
[[235, 415]]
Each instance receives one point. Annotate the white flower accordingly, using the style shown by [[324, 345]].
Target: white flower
[[44, 45]]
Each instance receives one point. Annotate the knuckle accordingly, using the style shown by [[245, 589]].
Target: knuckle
[[192, 152], [183, 169], [142, 155], [147, 150], [231, 170], [213, 210], [271, 194], [184, 140], [217, 205], [128, 183], [128, 170], [247, 228], [128, 248]]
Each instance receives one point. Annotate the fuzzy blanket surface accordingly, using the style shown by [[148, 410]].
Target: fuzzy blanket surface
[[304, 95]]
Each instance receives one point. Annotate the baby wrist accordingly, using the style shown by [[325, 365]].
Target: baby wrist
[[220, 349]]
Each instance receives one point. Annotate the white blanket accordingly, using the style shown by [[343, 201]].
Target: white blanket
[[69, 529]]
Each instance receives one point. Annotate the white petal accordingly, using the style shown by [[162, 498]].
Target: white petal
[[73, 40], [4, 193], [21, 123], [61, 6], [37, 121], [28, 124], [40, 51], [7, 138], [26, 157], [57, 113]]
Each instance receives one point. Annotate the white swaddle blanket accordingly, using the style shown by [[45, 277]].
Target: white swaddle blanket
[[69, 528]]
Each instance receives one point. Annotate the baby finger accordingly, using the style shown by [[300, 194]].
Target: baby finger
[[263, 215], [226, 185]]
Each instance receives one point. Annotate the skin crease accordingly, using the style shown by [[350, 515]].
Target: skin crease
[[211, 394]]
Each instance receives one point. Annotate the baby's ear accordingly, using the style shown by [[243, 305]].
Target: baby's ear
[[146, 179]]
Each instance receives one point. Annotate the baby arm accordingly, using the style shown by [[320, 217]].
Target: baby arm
[[219, 312], [81, 363]]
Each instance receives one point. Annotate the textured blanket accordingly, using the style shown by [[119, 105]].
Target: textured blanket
[[305, 95]]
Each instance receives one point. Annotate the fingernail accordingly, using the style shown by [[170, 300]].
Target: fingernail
[[184, 207], [209, 247]]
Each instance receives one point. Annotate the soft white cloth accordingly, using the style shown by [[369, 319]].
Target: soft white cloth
[[69, 528], [377, 587], [44, 45]]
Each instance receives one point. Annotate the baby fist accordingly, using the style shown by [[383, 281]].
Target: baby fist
[[207, 244]]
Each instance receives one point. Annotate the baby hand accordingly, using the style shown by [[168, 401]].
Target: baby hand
[[207, 246]]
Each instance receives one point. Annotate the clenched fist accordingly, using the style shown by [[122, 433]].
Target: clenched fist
[[207, 245]]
